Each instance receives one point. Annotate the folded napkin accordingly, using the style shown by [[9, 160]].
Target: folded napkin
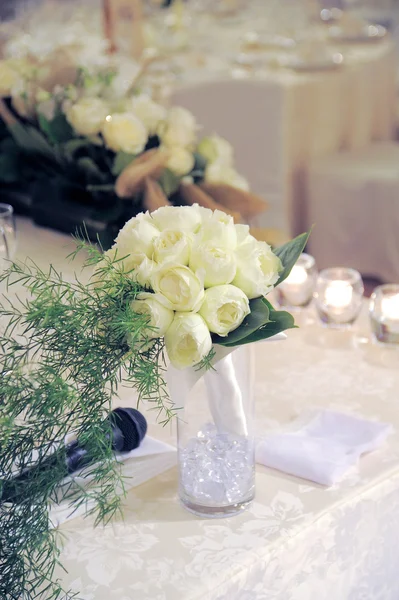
[[322, 447]]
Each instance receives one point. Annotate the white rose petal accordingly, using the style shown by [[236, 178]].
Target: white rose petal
[[219, 173], [218, 264], [224, 308], [137, 236], [216, 149], [124, 132], [160, 317], [181, 161], [187, 340], [178, 288], [87, 115], [179, 128], [257, 269], [184, 218], [243, 234], [218, 227], [172, 245], [148, 111], [9, 78]]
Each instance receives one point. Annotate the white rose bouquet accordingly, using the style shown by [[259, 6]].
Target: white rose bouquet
[[204, 280], [182, 281], [92, 150]]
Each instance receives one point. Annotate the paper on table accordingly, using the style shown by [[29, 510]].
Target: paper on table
[[324, 447], [150, 459]]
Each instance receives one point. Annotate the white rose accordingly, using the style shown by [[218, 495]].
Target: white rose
[[181, 161], [172, 245], [135, 264], [218, 227], [124, 132], [87, 115], [219, 173], [178, 287], [179, 128], [184, 218], [9, 78], [148, 111], [243, 234], [137, 236], [257, 269], [160, 317], [187, 340], [218, 264], [216, 149], [224, 308]]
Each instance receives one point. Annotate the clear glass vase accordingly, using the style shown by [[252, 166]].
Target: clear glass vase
[[216, 434]]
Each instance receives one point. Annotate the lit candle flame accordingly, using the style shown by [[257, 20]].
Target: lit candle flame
[[338, 294], [390, 307]]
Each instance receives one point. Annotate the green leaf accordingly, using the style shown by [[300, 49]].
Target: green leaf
[[169, 182], [280, 321], [58, 130], [258, 317], [122, 160], [9, 161], [91, 170], [289, 254], [200, 162], [71, 147], [31, 140]]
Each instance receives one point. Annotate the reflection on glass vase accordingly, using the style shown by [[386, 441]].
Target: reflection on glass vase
[[215, 434]]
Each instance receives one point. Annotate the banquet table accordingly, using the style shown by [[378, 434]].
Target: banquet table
[[280, 120], [298, 540]]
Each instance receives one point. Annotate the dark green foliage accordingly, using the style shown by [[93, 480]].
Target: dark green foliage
[[64, 352]]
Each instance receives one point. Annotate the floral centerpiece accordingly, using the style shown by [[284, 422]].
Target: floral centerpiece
[[92, 149], [179, 284]]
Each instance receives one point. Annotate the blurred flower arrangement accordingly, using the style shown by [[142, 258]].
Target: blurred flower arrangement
[[89, 147]]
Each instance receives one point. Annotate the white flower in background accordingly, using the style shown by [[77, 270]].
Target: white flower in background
[[149, 112], [220, 173], [160, 317], [216, 149], [257, 269], [218, 227], [224, 308], [137, 236], [181, 161], [216, 264], [172, 245], [124, 132], [178, 287], [179, 128], [9, 78], [184, 218], [87, 115], [187, 340]]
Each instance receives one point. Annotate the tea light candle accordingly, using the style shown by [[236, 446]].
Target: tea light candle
[[297, 290], [338, 294], [297, 276], [390, 307]]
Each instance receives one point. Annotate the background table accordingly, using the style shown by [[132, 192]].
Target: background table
[[298, 541]]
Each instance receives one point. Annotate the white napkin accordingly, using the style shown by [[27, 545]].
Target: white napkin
[[323, 447], [150, 459]]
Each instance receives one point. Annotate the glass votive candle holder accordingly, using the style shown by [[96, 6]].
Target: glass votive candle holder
[[384, 313], [338, 296], [297, 290]]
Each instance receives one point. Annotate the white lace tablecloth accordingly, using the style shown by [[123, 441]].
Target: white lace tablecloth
[[298, 541]]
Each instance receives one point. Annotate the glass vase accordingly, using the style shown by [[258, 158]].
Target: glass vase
[[215, 434]]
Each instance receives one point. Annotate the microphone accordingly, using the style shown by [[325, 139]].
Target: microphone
[[128, 428]]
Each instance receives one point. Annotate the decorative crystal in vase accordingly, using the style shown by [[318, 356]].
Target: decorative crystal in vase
[[215, 433]]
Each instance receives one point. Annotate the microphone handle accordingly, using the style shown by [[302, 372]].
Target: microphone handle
[[65, 461]]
